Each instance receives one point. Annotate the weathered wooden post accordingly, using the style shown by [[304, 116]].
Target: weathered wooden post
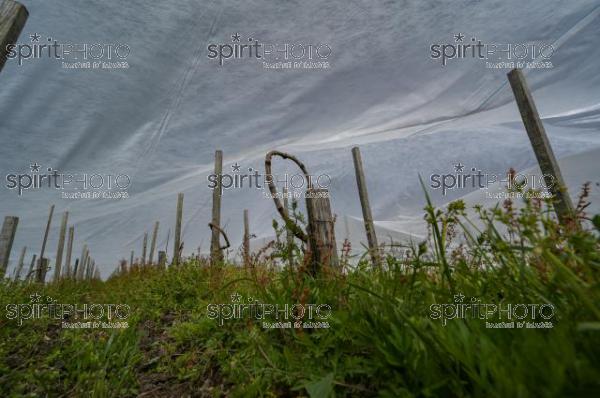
[[153, 243], [69, 271], [92, 268], [46, 232], [144, 246], [563, 206], [216, 255], [82, 259], [21, 263], [366, 207], [7, 237], [61, 245], [288, 234], [13, 16], [76, 268], [246, 243], [162, 259], [178, 218], [131, 261], [123, 267], [42, 269], [87, 268], [320, 235]]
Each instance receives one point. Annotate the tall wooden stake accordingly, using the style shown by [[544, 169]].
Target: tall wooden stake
[[144, 247], [366, 207], [13, 16], [7, 237], [61, 245], [82, 260], [153, 243], [76, 269], [246, 243], [68, 270], [42, 270], [178, 218], [131, 261], [87, 268], [162, 259], [21, 263], [321, 234], [216, 255], [46, 232], [553, 178]]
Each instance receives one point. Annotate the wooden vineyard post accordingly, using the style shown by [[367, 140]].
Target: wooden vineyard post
[[7, 237], [162, 259], [61, 246], [178, 218], [153, 243], [79, 274], [144, 246], [76, 269], [321, 234], [131, 261], [68, 270], [21, 263], [366, 207], [288, 234], [42, 266], [13, 16], [42, 269], [47, 231], [92, 268], [216, 255], [87, 268], [123, 267], [246, 243], [553, 178]]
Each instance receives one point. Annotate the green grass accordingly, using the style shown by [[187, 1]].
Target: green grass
[[382, 340]]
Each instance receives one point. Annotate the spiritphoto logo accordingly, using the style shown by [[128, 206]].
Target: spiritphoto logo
[[474, 178], [495, 55], [72, 316], [272, 316], [71, 185], [497, 316], [71, 55], [250, 178], [283, 55]]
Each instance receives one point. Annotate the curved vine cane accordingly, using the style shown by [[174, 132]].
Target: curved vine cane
[[227, 245], [296, 230]]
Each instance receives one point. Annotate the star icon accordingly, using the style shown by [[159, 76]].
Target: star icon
[[236, 298], [458, 298], [235, 167], [459, 37], [35, 298], [35, 37], [458, 167], [235, 37], [35, 167]]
